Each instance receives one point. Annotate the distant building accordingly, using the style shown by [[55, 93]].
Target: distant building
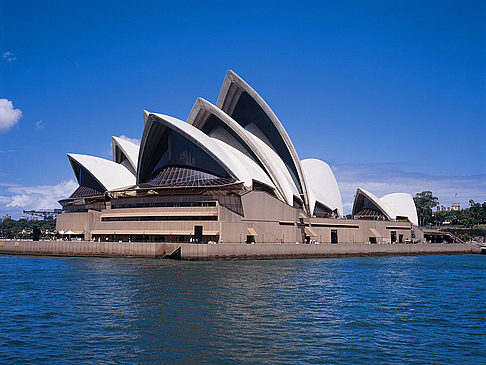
[[454, 207], [5, 217]]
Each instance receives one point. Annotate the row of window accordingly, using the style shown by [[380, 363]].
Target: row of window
[[164, 205], [161, 218]]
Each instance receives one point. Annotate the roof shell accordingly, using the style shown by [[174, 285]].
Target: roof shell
[[129, 149], [278, 168], [226, 101], [322, 185], [267, 158], [383, 206], [402, 205], [109, 174], [236, 163], [392, 205]]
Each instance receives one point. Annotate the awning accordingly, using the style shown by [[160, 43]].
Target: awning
[[72, 232], [375, 233], [252, 231], [310, 232]]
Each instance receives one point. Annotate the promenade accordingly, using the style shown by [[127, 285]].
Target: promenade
[[187, 251]]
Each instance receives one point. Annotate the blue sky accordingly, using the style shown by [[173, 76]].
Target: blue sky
[[390, 94]]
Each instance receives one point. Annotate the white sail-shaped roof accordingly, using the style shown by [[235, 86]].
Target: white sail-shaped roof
[[125, 153], [382, 206], [235, 135], [322, 185], [402, 205], [236, 163], [108, 174], [278, 168], [391, 205], [244, 105]]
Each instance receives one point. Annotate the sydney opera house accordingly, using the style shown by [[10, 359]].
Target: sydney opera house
[[228, 174]]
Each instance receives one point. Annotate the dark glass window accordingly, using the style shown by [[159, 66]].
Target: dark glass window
[[231, 202], [155, 151], [213, 122], [166, 147], [160, 218], [321, 211], [119, 155], [84, 191], [182, 176], [365, 208], [248, 111], [263, 187]]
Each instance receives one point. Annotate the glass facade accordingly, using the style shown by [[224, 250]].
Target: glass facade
[[321, 211], [84, 191], [248, 111], [160, 218], [167, 148], [231, 202], [182, 176], [365, 208], [213, 122]]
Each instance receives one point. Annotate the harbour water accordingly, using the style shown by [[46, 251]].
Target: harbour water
[[415, 309]]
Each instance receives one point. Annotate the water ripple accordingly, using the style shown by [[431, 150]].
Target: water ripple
[[340, 311]]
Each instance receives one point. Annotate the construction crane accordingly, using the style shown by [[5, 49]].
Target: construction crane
[[46, 214]]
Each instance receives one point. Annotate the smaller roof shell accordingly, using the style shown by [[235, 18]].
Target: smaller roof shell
[[386, 210], [129, 149], [402, 205], [392, 205], [322, 185], [109, 174]]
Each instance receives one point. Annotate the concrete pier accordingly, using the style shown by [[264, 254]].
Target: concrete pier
[[187, 251], [86, 248]]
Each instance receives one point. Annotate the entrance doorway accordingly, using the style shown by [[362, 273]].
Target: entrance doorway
[[334, 236], [198, 234]]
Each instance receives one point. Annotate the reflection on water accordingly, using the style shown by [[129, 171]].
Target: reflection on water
[[353, 310]]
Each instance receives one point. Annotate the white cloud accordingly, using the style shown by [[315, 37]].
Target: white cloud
[[8, 56], [38, 196], [9, 185], [9, 116], [38, 125], [4, 199], [133, 140], [385, 179]]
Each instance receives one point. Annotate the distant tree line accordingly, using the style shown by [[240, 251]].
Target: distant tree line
[[23, 229], [470, 217]]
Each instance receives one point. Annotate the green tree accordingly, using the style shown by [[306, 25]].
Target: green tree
[[424, 202]]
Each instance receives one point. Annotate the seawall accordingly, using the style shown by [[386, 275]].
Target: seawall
[[189, 251]]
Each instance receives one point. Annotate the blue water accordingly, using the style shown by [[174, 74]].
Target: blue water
[[345, 310]]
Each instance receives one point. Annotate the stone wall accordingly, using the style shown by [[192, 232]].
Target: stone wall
[[226, 250]]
